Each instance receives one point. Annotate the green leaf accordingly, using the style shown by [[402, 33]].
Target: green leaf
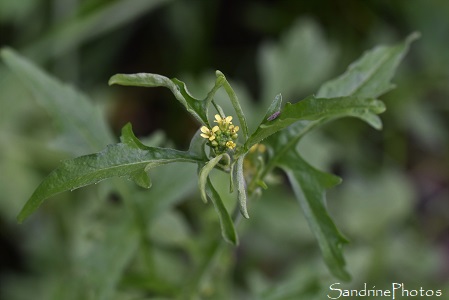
[[313, 108], [203, 174], [371, 75], [309, 185], [274, 109], [235, 103], [83, 127], [197, 107], [227, 226], [130, 158], [241, 185], [365, 79]]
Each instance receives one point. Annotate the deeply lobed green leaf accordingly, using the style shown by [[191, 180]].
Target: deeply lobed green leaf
[[129, 158], [197, 107], [371, 75], [309, 185], [351, 94], [313, 108]]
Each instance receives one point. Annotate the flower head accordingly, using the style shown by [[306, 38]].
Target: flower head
[[221, 137]]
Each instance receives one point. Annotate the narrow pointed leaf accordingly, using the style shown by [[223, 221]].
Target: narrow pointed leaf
[[227, 226], [313, 108], [275, 108], [204, 175], [196, 107], [125, 159], [82, 125], [309, 185], [371, 75], [235, 103], [241, 186]]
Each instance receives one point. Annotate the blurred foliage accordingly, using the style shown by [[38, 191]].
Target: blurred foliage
[[392, 205]]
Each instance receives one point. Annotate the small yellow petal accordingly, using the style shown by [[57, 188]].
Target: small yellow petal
[[230, 145], [215, 129], [236, 128], [217, 118], [211, 138], [204, 129], [204, 136], [228, 119]]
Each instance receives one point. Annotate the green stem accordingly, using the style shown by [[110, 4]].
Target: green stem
[[292, 143], [217, 245]]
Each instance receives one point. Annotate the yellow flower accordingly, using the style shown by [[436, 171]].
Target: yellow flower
[[207, 133], [230, 144], [233, 129], [224, 122]]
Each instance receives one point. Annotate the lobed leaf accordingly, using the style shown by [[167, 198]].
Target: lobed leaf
[[313, 108], [309, 185], [227, 226], [130, 158], [349, 95], [371, 75], [196, 107]]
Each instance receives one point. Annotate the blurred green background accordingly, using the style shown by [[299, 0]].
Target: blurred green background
[[393, 204]]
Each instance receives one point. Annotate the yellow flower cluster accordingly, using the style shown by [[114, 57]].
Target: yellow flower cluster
[[222, 136]]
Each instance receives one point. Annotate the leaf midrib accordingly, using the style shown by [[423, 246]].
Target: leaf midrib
[[377, 66]]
